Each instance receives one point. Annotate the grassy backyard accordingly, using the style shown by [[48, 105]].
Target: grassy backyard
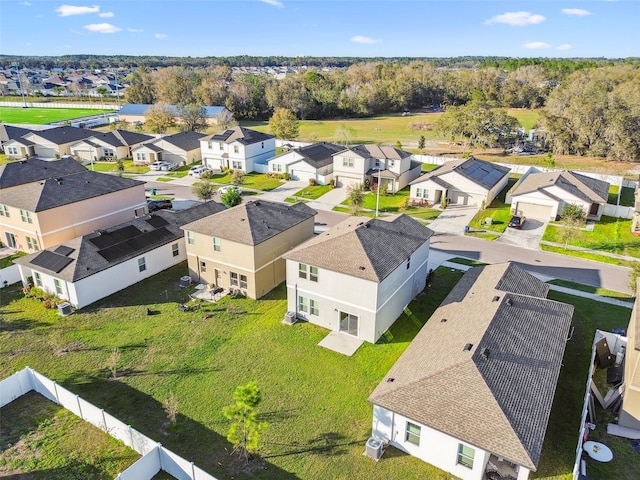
[[498, 211], [257, 181], [112, 167], [392, 204]]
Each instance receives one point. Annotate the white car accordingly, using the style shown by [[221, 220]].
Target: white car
[[165, 166], [197, 171], [226, 188]]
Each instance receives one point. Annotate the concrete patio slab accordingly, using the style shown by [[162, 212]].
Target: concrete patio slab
[[341, 343]]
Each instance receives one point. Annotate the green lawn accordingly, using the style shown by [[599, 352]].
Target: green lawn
[[181, 171], [527, 118], [311, 192], [428, 167], [112, 167], [8, 261], [498, 211], [44, 115], [603, 292], [613, 194], [585, 255], [392, 204], [627, 197], [466, 261], [612, 235], [257, 181]]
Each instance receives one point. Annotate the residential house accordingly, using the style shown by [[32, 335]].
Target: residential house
[[114, 145], [238, 148], [55, 142], [8, 133], [241, 248], [545, 195], [307, 163], [181, 147], [629, 415], [46, 203], [358, 276], [473, 391], [464, 181], [393, 168], [136, 112], [635, 220], [88, 268]]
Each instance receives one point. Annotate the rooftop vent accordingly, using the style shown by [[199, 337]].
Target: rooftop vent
[[468, 347], [361, 223], [390, 380], [509, 302], [485, 353], [257, 203], [361, 267], [443, 320], [366, 225], [496, 298]]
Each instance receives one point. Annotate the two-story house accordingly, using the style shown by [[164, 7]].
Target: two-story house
[[44, 203], [308, 163], [238, 148], [181, 147], [358, 276], [392, 168], [114, 145], [241, 248]]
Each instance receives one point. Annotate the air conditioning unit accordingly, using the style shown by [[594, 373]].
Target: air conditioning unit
[[289, 318], [374, 448], [64, 309], [185, 281]]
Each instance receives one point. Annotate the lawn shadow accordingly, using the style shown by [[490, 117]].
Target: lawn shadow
[[19, 324], [73, 469], [329, 443]]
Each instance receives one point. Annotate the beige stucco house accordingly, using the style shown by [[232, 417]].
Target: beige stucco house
[[115, 145], [182, 147], [55, 142], [241, 248], [45, 203], [629, 415], [464, 181], [358, 276]]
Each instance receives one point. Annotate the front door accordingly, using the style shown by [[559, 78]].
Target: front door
[[349, 323], [11, 240]]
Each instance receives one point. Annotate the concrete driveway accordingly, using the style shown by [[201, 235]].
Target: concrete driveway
[[333, 197], [285, 190], [453, 219], [528, 237]]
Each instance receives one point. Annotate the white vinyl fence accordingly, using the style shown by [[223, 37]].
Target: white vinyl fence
[[102, 106], [10, 275], [154, 456]]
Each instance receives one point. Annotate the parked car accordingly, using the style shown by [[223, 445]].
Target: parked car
[[197, 171], [163, 166], [154, 205], [226, 188], [517, 222]]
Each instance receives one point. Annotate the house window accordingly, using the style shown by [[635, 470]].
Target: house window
[[141, 157], [236, 165], [37, 279], [465, 455], [12, 150], [314, 307], [142, 264], [233, 279], [302, 304], [422, 192], [220, 146], [203, 266], [236, 149], [58, 286], [347, 162], [412, 435], [4, 211], [302, 270], [277, 167], [109, 153], [32, 243], [313, 274], [216, 244], [26, 216], [175, 249], [191, 240], [243, 281]]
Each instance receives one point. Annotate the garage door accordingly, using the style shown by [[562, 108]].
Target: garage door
[[46, 152], [302, 175], [213, 163], [532, 210], [346, 182], [459, 198]]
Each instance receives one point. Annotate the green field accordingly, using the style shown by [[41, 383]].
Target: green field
[[44, 115]]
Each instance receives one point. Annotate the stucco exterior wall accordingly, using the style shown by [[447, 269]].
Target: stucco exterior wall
[[629, 415]]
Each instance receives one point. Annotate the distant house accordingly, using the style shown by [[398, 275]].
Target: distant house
[[473, 392], [238, 148], [545, 195], [308, 163], [465, 181], [629, 415], [114, 145], [358, 276], [44, 203], [136, 112], [8, 133], [241, 248], [56, 142], [86, 269], [394, 168], [182, 147]]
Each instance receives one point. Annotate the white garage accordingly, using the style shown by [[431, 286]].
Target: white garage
[[347, 182], [532, 210], [44, 152], [302, 175]]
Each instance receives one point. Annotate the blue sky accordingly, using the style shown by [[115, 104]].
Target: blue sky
[[414, 28]]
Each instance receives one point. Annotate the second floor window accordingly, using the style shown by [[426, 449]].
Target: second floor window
[[4, 211], [32, 243], [236, 149], [26, 216], [175, 249], [191, 240], [308, 271], [216, 244], [347, 162]]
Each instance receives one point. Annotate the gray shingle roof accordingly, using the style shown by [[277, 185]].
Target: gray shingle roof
[[242, 135], [119, 138], [186, 141], [504, 384], [57, 191], [253, 222], [581, 186], [10, 132], [86, 260], [319, 154], [62, 135], [379, 152], [483, 173], [34, 169], [364, 247]]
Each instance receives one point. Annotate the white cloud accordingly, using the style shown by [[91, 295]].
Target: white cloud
[[516, 19], [26, 4], [68, 10], [564, 46], [106, 14], [364, 40], [102, 28], [135, 30], [576, 11], [160, 35], [536, 45], [275, 3]]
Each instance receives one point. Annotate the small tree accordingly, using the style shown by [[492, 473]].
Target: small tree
[[421, 143], [170, 405], [159, 118], [246, 429], [345, 134], [120, 166], [355, 196], [284, 124], [573, 218], [192, 117], [231, 198], [225, 119], [237, 177], [573, 212], [549, 161], [113, 360], [398, 145], [204, 190]]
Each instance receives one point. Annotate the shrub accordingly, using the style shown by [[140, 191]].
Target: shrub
[[332, 183], [312, 182], [286, 176]]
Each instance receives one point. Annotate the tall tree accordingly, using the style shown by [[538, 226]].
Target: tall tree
[[246, 429], [192, 117], [142, 88], [284, 124], [204, 190], [355, 196], [159, 118], [175, 85]]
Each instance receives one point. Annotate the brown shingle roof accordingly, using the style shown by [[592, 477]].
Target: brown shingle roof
[[483, 173], [586, 188], [364, 247], [504, 383]]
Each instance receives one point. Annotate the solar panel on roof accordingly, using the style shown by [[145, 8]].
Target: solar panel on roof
[[156, 221], [138, 244], [111, 238], [64, 250], [51, 261]]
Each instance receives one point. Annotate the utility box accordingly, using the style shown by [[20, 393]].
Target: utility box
[[289, 318], [64, 309]]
